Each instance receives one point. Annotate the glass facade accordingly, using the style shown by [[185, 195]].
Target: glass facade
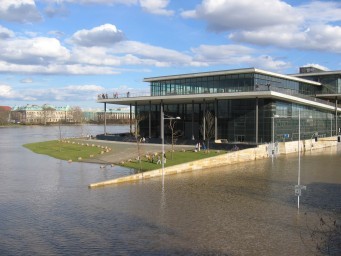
[[244, 82], [236, 119], [331, 83]]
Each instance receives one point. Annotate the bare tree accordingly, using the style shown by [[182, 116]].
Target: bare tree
[[175, 134], [77, 114], [4, 116], [207, 128], [138, 139]]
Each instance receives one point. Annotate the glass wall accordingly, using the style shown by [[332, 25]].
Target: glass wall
[[230, 83], [236, 120], [312, 120]]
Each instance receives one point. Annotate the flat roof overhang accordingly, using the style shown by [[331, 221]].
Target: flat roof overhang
[[332, 96], [211, 97], [231, 72], [321, 73]]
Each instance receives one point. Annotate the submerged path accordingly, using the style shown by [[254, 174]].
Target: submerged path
[[122, 151]]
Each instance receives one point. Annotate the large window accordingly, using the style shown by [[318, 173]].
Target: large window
[[231, 83]]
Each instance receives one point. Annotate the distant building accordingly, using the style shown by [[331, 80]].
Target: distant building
[[34, 114], [5, 114], [90, 116], [115, 115]]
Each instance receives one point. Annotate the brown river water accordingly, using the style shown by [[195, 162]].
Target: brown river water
[[46, 207]]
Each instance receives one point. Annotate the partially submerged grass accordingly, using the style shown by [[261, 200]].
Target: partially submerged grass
[[77, 152], [63, 150], [179, 157]]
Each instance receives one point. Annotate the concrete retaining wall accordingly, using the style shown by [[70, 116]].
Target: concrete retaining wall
[[307, 145], [221, 160], [239, 156]]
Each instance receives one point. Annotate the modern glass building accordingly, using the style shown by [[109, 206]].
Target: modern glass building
[[248, 105]]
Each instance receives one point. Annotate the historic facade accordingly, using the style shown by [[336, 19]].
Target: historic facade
[[34, 114]]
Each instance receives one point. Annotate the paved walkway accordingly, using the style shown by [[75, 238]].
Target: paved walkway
[[122, 151]]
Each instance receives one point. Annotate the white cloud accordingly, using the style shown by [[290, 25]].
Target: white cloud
[[317, 37], [113, 55], [220, 54], [310, 26], [67, 93], [106, 2], [141, 53], [26, 80], [22, 11], [128, 53], [6, 91], [5, 33], [105, 35], [156, 7], [85, 88], [223, 15], [320, 12], [39, 50], [236, 55], [56, 10]]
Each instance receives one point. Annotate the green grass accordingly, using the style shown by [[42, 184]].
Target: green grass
[[63, 150], [73, 150], [179, 157]]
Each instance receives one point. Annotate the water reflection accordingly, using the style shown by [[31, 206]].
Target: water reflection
[[242, 209]]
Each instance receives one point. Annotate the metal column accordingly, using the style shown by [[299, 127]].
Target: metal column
[[130, 119], [336, 126], [136, 121], [193, 120], [204, 122], [161, 122], [257, 120], [105, 118], [215, 119], [150, 120]]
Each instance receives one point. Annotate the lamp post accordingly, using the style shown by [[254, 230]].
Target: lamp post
[[299, 187], [331, 125], [273, 134], [163, 118]]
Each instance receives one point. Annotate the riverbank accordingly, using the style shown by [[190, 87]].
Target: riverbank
[[251, 154]]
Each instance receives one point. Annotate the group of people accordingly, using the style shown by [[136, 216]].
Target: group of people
[[199, 146], [156, 158], [102, 96], [115, 95]]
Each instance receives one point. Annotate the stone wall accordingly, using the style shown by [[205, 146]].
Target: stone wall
[[306, 145], [250, 154]]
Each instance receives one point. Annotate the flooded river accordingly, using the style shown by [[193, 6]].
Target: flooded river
[[46, 207]]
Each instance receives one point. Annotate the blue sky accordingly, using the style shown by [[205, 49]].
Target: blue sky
[[68, 51]]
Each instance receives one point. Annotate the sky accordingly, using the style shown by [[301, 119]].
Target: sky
[[66, 52]]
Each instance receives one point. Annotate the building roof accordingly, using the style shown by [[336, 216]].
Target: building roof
[[6, 108], [231, 72], [321, 73], [30, 107]]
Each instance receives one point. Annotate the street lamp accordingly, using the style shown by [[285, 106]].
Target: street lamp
[[273, 134], [299, 187], [163, 118]]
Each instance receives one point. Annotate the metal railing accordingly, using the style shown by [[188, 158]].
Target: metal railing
[[258, 88]]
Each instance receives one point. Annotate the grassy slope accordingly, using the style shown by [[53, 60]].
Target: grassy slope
[[69, 151], [62, 150], [179, 157]]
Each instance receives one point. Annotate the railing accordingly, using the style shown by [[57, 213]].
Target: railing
[[258, 88]]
